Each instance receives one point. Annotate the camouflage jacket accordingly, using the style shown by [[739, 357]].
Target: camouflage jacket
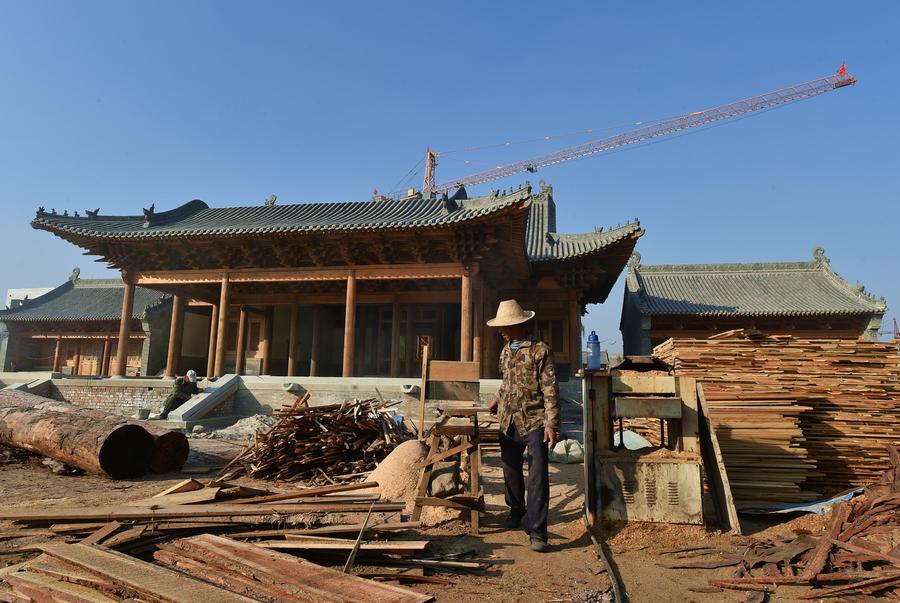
[[529, 394]]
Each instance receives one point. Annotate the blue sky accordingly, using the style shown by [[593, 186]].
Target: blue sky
[[123, 104]]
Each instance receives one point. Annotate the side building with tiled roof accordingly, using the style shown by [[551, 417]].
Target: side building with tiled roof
[[74, 328], [805, 299], [357, 288]]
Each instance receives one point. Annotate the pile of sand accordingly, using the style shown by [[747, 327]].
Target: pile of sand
[[243, 430]]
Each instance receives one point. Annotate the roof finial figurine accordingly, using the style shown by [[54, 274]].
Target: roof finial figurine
[[634, 262], [92, 214], [270, 202], [545, 188], [148, 214], [40, 209], [65, 212], [76, 273], [819, 255], [76, 214], [53, 211]]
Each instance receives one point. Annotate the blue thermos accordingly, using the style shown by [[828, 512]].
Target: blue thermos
[[593, 352]]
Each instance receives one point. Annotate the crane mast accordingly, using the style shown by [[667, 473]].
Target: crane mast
[[655, 130]]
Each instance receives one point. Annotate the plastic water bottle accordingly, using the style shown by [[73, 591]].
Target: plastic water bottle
[[593, 352]]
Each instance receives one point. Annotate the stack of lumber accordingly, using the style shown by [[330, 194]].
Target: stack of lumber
[[209, 569], [845, 394], [859, 553], [324, 444]]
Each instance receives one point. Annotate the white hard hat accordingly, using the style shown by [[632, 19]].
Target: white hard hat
[[191, 375]]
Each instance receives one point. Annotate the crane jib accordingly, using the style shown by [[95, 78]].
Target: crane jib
[[658, 129]]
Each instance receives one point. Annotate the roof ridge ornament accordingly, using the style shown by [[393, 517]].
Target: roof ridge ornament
[[546, 188], [76, 274], [819, 256], [148, 215], [92, 214], [270, 202], [634, 262]]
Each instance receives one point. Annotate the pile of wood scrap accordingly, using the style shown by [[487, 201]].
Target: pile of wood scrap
[[206, 569], [323, 444], [91, 440], [844, 393], [859, 553]]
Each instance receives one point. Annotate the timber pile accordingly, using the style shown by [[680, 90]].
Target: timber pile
[[324, 444], [845, 394], [859, 552], [205, 569]]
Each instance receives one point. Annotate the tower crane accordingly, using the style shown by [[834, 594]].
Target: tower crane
[[656, 129]]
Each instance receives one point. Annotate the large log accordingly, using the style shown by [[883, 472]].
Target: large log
[[88, 439], [170, 450]]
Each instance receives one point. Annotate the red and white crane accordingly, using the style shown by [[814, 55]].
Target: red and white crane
[[657, 129]]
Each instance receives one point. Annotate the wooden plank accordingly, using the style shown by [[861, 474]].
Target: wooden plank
[[324, 530], [107, 530], [715, 467], [465, 411], [447, 370], [445, 455], [300, 579], [823, 548], [143, 578], [423, 386], [453, 430], [397, 547], [306, 492], [187, 485], [425, 476], [646, 407], [181, 498], [636, 383], [218, 510], [690, 421], [39, 587]]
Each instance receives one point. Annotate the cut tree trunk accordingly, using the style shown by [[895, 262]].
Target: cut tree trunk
[[88, 439]]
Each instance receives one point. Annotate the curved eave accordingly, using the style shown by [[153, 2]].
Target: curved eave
[[583, 246], [762, 314]]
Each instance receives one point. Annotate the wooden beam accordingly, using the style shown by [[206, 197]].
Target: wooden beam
[[222, 327], [213, 330], [176, 328], [314, 343], [77, 335], [465, 317], [395, 338], [104, 358], [338, 297], [574, 334], [349, 326], [240, 351], [124, 328], [292, 339], [295, 275], [265, 343], [56, 355], [477, 319]]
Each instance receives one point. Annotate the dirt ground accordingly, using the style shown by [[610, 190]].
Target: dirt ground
[[569, 572]]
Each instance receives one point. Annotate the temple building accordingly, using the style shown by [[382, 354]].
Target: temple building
[[805, 299], [350, 289], [73, 329]]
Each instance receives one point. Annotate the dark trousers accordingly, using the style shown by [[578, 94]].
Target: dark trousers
[[512, 449], [172, 402]]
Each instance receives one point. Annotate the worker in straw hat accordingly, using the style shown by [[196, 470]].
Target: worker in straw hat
[[528, 408]]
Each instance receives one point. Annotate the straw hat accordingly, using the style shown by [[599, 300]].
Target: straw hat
[[510, 313]]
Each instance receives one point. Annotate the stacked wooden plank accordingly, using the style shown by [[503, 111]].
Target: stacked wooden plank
[[845, 394], [324, 444], [209, 568]]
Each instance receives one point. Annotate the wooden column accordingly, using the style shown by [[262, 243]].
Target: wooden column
[[222, 329], [359, 362], [395, 338], [211, 352], [176, 329], [465, 317], [478, 321], [76, 370], [124, 329], [265, 343], [410, 344], [56, 355], [574, 334], [349, 326], [104, 358], [292, 339], [240, 352], [314, 343]]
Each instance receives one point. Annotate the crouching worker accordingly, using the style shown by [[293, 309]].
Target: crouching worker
[[528, 408], [182, 390]]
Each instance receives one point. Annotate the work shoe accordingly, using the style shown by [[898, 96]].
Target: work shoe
[[512, 521], [539, 545]]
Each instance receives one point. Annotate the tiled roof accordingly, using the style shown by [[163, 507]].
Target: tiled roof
[[775, 289], [544, 244], [197, 219], [84, 300]]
